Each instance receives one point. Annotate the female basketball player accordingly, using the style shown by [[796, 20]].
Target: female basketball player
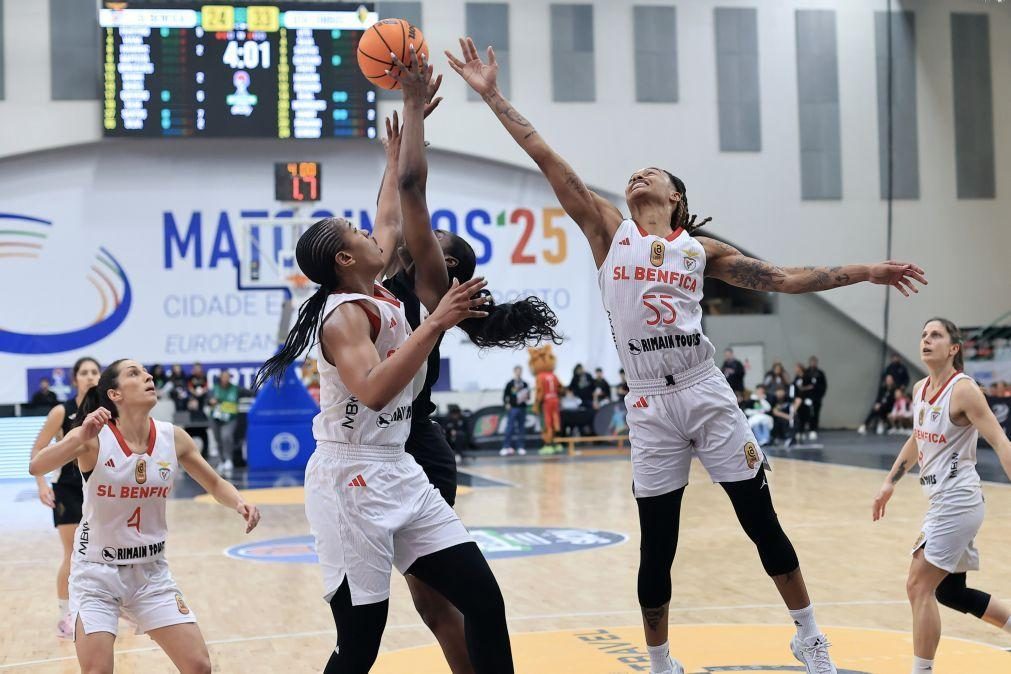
[[650, 272], [949, 414], [128, 461], [370, 506], [421, 264], [65, 496]]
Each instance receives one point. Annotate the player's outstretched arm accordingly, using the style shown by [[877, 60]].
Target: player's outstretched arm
[[223, 491], [431, 280], [728, 264], [596, 216], [969, 399], [388, 226], [905, 461], [77, 442]]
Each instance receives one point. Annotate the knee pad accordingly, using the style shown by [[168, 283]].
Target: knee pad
[[752, 502], [953, 593], [653, 586]]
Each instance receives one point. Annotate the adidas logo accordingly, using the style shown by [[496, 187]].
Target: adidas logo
[[641, 403], [359, 481], [393, 323], [110, 464], [625, 242]]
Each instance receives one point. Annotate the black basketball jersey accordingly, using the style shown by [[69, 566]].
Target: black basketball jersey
[[70, 474], [402, 287]]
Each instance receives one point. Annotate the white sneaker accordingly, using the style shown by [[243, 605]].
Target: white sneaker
[[862, 430], [813, 653], [673, 667], [813, 435], [225, 466], [521, 451], [506, 451], [65, 628]]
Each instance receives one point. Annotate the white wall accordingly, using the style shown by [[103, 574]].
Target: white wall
[[753, 197]]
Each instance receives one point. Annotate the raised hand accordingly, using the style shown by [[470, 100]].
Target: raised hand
[[482, 77], [414, 77], [94, 422], [459, 303], [391, 143], [897, 275]]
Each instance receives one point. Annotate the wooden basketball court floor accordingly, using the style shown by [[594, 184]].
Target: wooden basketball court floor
[[568, 612]]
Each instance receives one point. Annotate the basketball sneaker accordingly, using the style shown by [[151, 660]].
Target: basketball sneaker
[[673, 667], [506, 451], [65, 628], [813, 653]]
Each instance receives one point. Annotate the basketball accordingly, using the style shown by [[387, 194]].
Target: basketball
[[388, 35]]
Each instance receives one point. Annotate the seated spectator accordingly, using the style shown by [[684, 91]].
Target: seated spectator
[[776, 378], [44, 397], [178, 390], [582, 386], [159, 376], [782, 418], [901, 416], [882, 407], [601, 389], [455, 426], [757, 409], [622, 387]]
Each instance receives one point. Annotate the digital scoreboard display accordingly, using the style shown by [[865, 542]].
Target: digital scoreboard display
[[297, 181], [278, 70]]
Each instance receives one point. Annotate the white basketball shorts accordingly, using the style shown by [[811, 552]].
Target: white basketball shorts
[[371, 509], [948, 536], [146, 593], [697, 415]]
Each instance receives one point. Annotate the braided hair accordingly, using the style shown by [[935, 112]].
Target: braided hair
[[314, 252], [680, 217]]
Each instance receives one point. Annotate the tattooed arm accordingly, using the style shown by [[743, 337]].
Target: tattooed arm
[[597, 217], [728, 264]]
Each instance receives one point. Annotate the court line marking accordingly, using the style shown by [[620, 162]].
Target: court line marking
[[545, 616]]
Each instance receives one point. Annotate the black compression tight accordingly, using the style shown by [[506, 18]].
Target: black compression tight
[[462, 575]]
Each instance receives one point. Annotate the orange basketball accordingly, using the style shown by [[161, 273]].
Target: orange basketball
[[388, 35]]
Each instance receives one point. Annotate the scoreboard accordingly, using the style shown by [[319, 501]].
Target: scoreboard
[[278, 70]]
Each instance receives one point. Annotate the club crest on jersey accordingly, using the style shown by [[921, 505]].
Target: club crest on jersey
[[935, 412], [181, 605], [691, 259], [140, 471], [751, 454], [656, 253], [164, 470]]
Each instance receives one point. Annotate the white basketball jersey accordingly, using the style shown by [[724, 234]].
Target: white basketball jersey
[[947, 452], [651, 288], [342, 418], [123, 518]]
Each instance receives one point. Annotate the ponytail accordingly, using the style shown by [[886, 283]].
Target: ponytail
[[513, 325], [301, 337], [98, 396], [315, 253], [681, 217]]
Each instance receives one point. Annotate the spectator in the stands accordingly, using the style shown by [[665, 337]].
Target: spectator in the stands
[[776, 378], [896, 368], [601, 389], [814, 378], [582, 386], [782, 417], [733, 370], [901, 416], [44, 397], [159, 376], [758, 409], [455, 426], [622, 386], [196, 391], [180, 392], [515, 398], [224, 402], [877, 418], [800, 398]]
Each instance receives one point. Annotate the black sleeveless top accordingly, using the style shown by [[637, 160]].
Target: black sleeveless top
[[70, 474], [402, 287]]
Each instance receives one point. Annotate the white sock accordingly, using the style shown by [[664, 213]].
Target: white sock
[[64, 607], [921, 665], [658, 657], [1007, 626], [803, 618]]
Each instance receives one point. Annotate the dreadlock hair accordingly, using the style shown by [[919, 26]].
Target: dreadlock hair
[[956, 338], [98, 396], [314, 252], [510, 325], [680, 217]]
